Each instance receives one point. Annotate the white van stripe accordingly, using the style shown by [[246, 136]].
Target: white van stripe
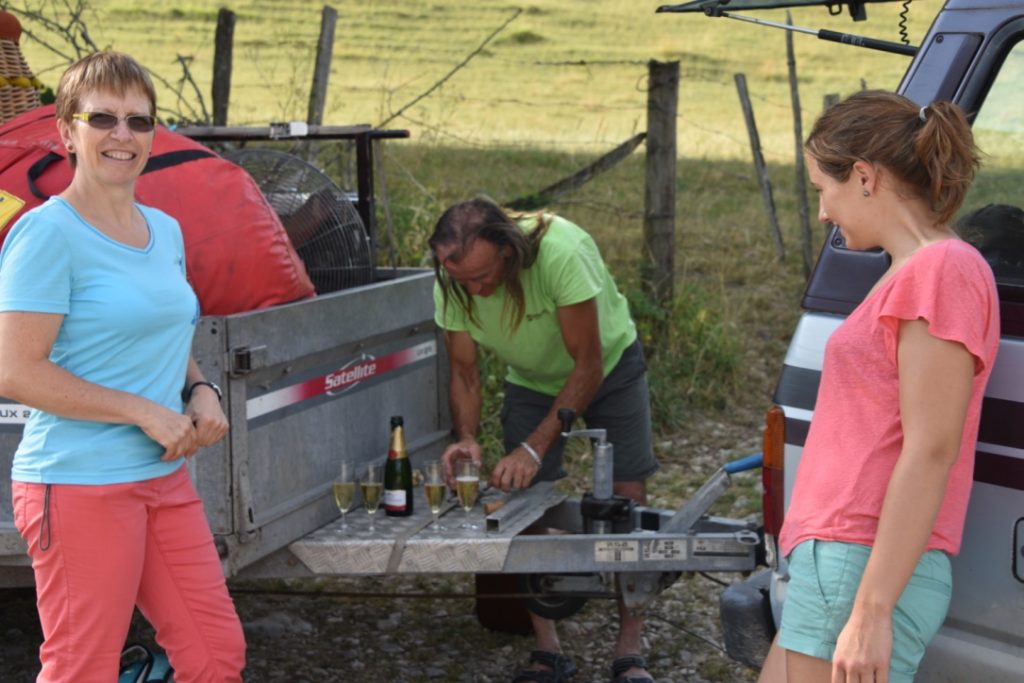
[[807, 348]]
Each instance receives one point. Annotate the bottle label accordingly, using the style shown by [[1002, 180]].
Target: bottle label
[[394, 500]]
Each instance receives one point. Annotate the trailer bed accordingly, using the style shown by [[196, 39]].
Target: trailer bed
[[413, 545]]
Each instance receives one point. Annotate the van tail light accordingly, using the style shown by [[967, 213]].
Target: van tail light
[[773, 471]]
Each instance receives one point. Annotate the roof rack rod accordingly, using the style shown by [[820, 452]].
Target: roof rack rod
[[833, 36]]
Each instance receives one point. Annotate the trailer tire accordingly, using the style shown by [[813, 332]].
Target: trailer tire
[[553, 606]]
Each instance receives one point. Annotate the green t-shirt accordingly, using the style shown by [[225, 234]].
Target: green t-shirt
[[568, 270]]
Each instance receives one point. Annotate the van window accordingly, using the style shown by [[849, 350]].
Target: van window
[[992, 218]]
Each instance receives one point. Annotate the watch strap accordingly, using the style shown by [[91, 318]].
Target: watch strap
[[203, 382]]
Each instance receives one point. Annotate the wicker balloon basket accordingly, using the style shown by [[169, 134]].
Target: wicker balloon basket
[[18, 87]]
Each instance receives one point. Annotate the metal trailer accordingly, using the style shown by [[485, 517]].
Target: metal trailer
[[309, 382], [304, 383]]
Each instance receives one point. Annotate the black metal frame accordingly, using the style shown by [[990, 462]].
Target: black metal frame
[[713, 7], [362, 134]]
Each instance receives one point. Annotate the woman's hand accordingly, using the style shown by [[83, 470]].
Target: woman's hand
[[174, 431], [206, 414], [864, 649], [515, 471]]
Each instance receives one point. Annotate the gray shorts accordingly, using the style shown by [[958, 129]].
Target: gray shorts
[[622, 406]]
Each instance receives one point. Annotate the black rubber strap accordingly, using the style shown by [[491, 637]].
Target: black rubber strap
[[202, 383], [36, 170], [168, 159]]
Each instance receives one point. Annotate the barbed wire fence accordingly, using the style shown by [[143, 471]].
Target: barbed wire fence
[[686, 120], [447, 92], [617, 149]]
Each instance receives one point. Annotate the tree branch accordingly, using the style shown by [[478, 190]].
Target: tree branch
[[187, 78], [578, 179], [451, 73]]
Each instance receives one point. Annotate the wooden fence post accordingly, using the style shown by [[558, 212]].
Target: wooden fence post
[[322, 68], [223, 45], [759, 164], [829, 99], [798, 134], [660, 180]]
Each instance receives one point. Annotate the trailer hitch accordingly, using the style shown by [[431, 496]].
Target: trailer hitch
[[603, 512], [601, 509], [560, 595]]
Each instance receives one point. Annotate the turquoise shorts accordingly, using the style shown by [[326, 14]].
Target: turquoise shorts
[[823, 581]]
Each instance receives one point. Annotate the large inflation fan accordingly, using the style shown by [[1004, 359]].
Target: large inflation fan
[[321, 222]]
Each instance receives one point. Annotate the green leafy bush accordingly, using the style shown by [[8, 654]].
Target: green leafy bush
[[692, 353]]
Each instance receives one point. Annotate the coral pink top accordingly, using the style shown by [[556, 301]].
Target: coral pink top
[[856, 435]]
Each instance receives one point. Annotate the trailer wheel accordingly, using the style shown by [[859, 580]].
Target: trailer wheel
[[540, 602]]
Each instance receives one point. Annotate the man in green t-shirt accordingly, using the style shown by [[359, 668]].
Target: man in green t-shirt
[[537, 293]]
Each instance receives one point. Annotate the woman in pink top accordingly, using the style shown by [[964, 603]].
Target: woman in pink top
[[881, 492]]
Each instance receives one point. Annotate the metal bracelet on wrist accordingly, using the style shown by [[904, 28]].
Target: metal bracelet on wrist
[[529, 449]]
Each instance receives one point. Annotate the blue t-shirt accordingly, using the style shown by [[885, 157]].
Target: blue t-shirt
[[129, 316]]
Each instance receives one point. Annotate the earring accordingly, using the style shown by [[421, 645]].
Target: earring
[[866, 193]]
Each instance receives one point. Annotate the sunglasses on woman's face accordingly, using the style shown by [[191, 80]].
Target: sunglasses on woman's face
[[139, 123]]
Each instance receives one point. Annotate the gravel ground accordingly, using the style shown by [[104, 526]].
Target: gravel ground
[[353, 629], [299, 638]]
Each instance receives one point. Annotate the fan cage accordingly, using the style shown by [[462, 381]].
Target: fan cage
[[323, 225]]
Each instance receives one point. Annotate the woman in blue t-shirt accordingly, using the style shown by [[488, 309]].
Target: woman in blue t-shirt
[[96, 325]]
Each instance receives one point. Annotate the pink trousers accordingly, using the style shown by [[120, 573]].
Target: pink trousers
[[97, 551]]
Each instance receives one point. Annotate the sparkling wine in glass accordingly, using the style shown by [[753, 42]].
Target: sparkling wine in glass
[[371, 486], [467, 486], [434, 488], [345, 489]]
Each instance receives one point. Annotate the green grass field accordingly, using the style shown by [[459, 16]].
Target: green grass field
[[562, 74]]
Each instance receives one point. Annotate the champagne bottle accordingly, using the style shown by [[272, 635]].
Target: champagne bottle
[[397, 474]]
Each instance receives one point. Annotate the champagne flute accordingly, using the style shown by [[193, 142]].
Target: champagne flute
[[434, 487], [371, 486], [467, 486], [345, 490]]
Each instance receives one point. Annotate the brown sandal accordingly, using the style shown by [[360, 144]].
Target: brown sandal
[[623, 664], [561, 668]]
